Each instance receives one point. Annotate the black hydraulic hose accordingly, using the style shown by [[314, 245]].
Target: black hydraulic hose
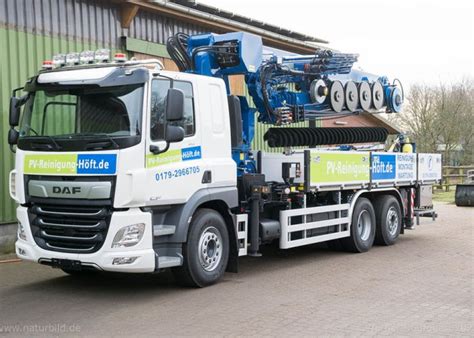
[[298, 137], [263, 78], [176, 46]]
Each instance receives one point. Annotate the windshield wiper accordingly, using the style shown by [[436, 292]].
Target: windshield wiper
[[99, 135], [108, 137], [104, 135], [49, 138]]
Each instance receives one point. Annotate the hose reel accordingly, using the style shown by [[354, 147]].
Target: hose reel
[[365, 96], [318, 91], [336, 96], [356, 96], [352, 97], [378, 98]]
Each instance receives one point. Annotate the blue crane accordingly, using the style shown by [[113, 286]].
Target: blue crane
[[288, 89]]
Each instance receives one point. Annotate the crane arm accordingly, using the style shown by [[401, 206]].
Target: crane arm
[[288, 89]]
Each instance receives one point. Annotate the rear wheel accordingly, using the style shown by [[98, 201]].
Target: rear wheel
[[362, 227], [388, 216], [206, 252]]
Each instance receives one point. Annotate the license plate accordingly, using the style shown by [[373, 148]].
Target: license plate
[[66, 264]]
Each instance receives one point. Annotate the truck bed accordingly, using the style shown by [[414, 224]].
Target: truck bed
[[342, 170]]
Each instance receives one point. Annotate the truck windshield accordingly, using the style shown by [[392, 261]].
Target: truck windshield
[[71, 118]]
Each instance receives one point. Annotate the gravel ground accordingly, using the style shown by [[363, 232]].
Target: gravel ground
[[423, 285]]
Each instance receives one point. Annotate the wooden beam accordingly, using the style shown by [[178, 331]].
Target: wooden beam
[[127, 13]]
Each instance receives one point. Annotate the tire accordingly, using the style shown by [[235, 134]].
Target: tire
[[206, 252], [362, 227], [388, 217]]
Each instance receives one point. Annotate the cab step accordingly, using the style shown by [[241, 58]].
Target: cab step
[[169, 262], [163, 230]]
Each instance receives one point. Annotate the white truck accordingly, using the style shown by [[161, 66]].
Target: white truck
[[123, 166]]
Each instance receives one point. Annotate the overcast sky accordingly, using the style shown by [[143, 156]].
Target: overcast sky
[[427, 41]]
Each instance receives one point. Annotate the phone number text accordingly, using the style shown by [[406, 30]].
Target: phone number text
[[176, 173]]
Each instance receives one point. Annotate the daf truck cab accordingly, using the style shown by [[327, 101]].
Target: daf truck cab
[[111, 158]]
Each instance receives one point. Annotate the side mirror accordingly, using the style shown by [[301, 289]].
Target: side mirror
[[14, 117], [174, 134], [13, 136], [174, 112], [174, 105]]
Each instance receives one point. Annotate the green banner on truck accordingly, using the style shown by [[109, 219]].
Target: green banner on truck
[[339, 167]]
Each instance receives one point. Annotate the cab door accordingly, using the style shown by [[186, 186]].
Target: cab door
[[176, 174]]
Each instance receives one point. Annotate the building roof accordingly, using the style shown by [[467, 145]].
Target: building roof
[[249, 21], [220, 21]]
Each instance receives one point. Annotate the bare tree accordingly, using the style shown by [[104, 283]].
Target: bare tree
[[454, 118], [443, 114], [419, 117]]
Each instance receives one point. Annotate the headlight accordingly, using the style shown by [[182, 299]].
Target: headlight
[[21, 232], [129, 235]]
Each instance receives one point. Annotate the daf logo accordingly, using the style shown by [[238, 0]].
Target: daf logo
[[77, 190], [66, 190]]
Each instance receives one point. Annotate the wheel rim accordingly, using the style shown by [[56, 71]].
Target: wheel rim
[[210, 248], [392, 221], [364, 225]]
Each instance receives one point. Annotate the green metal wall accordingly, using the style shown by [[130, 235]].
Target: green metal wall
[[21, 55]]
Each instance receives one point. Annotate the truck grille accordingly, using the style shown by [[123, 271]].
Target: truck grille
[[69, 228]]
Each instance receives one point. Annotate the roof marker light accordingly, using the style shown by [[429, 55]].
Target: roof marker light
[[59, 60], [47, 64], [120, 57], [86, 56], [72, 59], [102, 55]]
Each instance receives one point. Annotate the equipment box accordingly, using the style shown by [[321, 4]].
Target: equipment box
[[424, 196]]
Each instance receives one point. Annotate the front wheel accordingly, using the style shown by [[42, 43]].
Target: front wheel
[[206, 252], [362, 227]]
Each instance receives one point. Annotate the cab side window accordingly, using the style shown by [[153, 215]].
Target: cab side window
[[159, 89]]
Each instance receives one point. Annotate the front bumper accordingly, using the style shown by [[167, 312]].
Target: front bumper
[[102, 259]]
